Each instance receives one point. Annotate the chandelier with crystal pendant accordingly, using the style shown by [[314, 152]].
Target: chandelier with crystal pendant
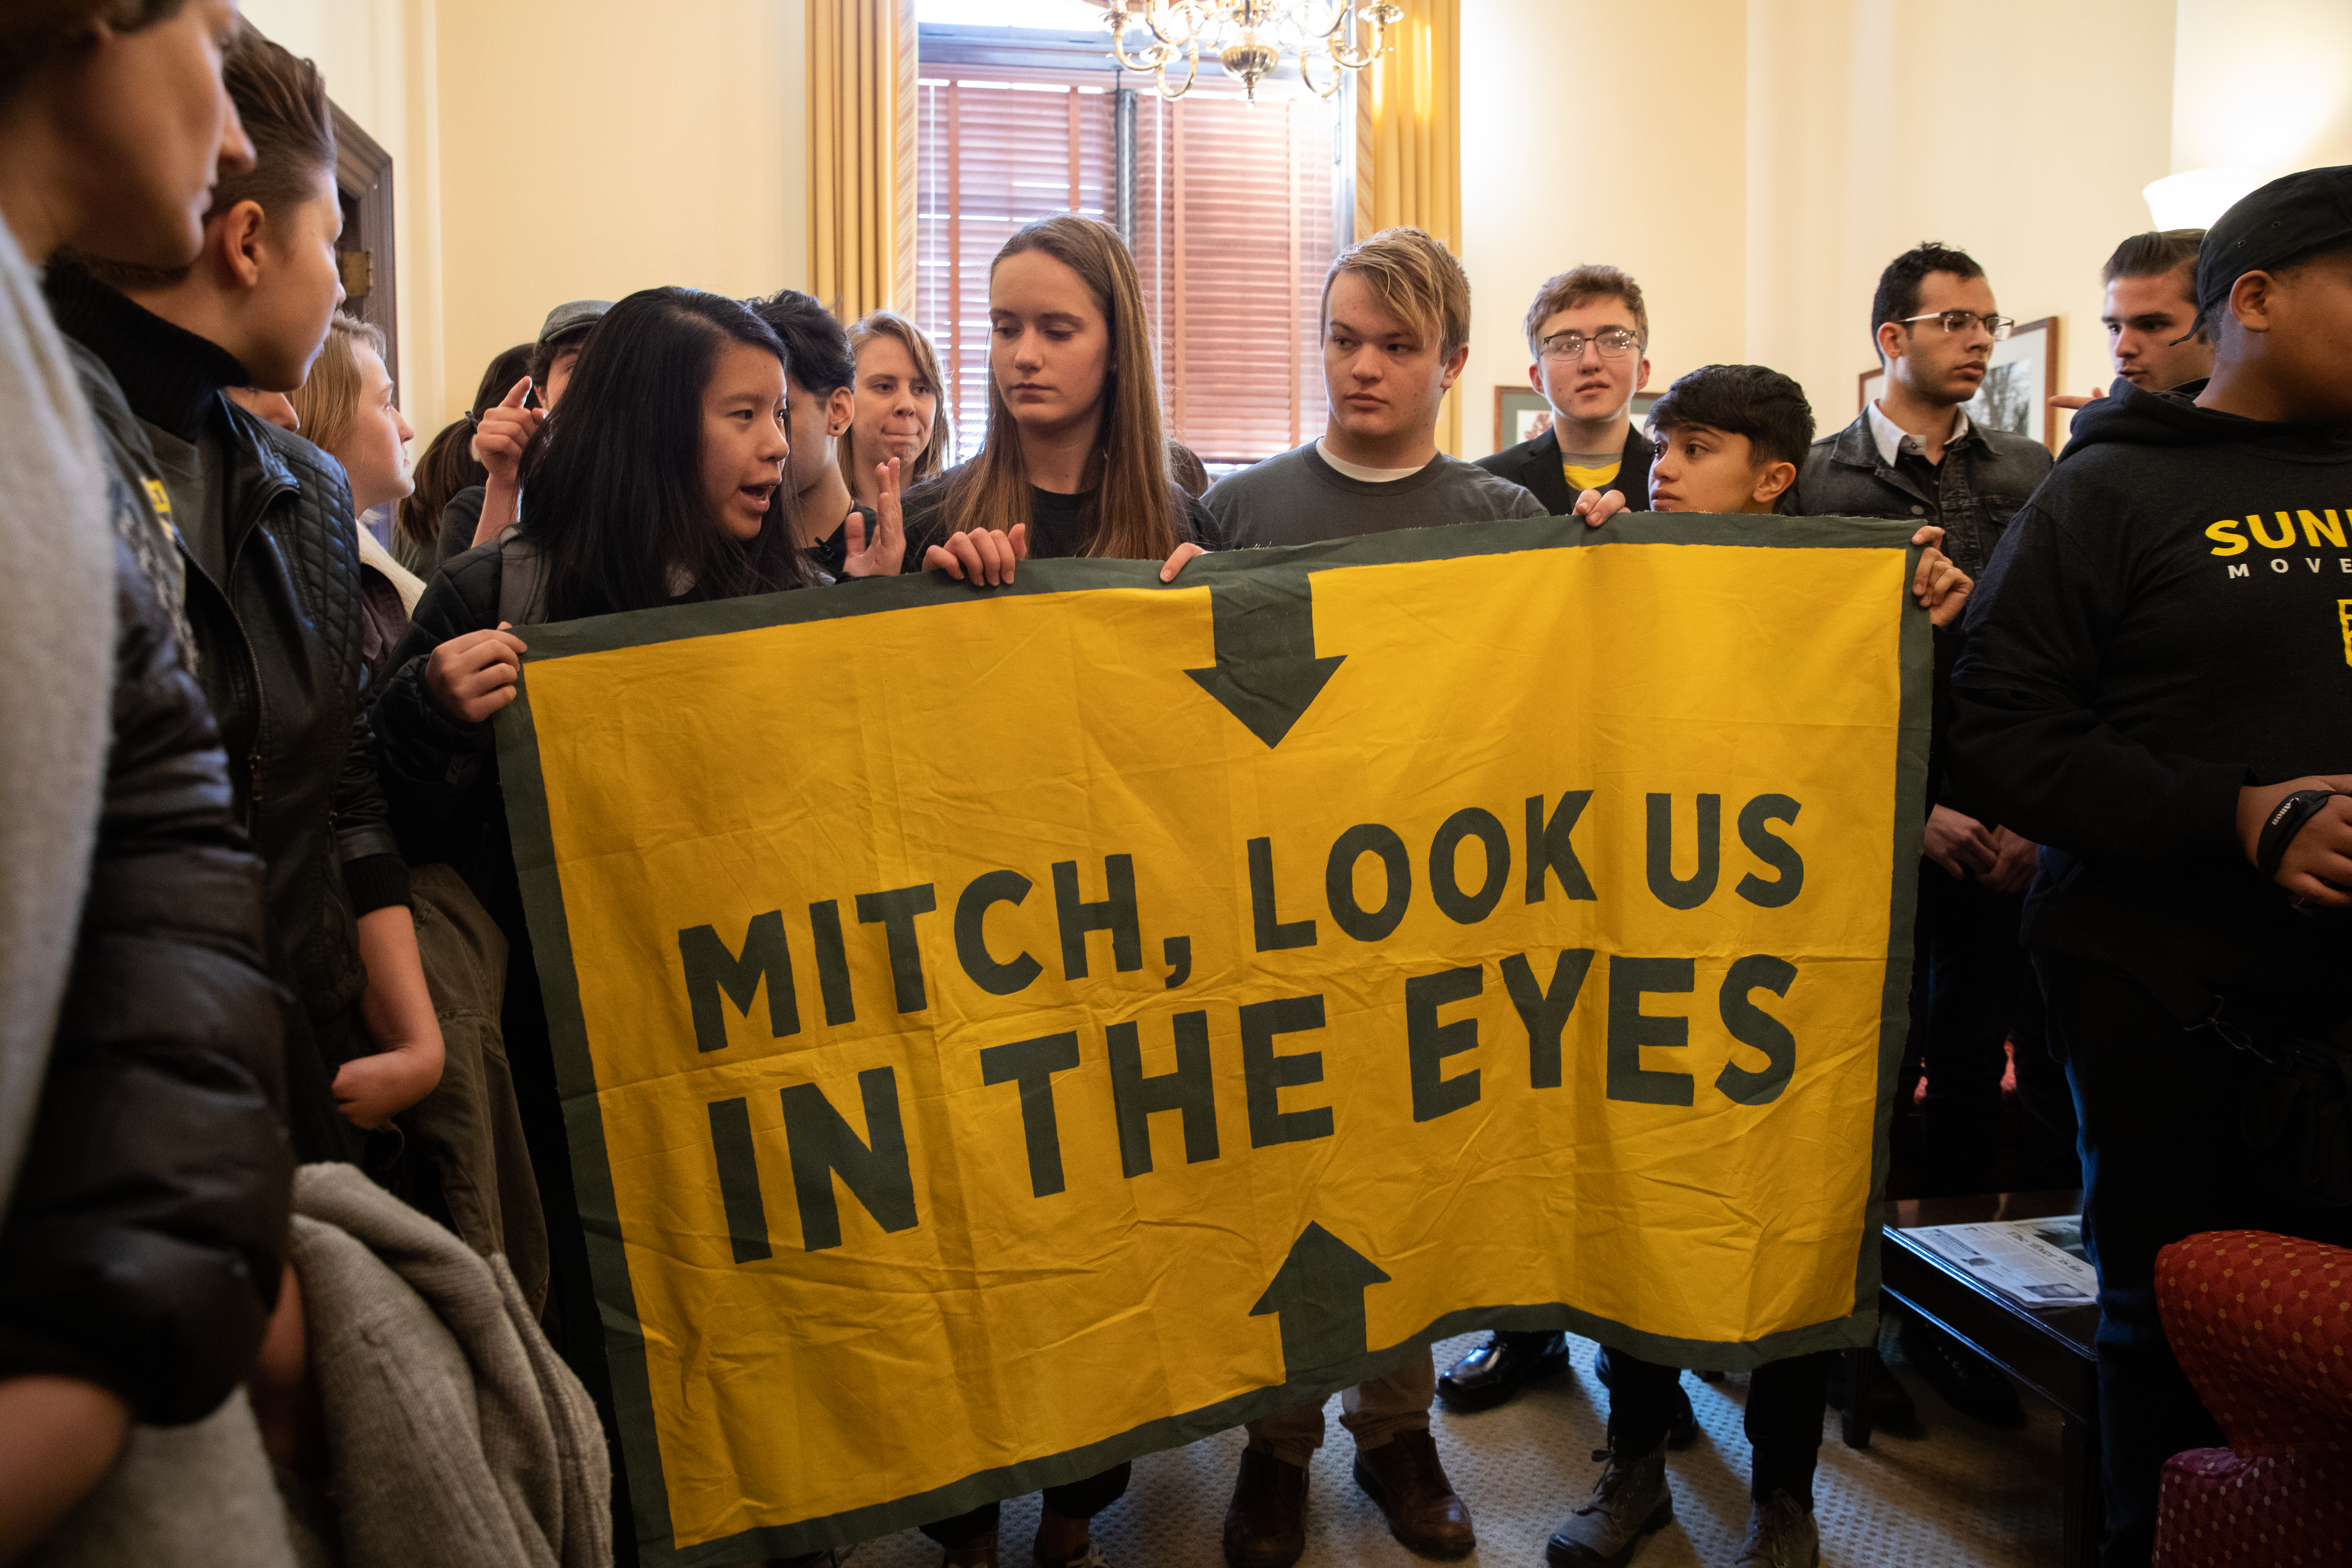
[[1248, 36]]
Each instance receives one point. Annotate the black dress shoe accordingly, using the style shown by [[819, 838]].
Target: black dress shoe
[[1968, 1383], [1493, 1372], [1890, 1403], [1682, 1424]]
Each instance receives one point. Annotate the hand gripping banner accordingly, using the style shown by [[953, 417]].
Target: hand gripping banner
[[1002, 1033]]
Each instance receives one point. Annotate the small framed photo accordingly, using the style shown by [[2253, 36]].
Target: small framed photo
[[2015, 395], [1520, 415]]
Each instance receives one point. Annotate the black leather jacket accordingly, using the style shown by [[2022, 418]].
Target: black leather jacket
[[277, 644], [142, 1245]]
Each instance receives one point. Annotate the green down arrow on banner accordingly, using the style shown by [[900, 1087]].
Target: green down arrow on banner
[[1317, 1297], [1267, 673]]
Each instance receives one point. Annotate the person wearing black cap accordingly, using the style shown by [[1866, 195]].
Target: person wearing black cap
[[479, 513], [2156, 686]]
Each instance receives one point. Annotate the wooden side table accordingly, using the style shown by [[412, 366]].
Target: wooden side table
[[2051, 1351]]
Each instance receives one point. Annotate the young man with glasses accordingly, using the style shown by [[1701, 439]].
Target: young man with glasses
[[1914, 454], [2165, 701], [1589, 334]]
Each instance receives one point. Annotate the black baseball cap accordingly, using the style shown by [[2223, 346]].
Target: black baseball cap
[[2290, 217]]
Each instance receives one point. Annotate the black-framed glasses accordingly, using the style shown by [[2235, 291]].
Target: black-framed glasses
[[1569, 347], [1961, 321]]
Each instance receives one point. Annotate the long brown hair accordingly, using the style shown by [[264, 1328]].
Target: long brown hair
[[1135, 513], [933, 458]]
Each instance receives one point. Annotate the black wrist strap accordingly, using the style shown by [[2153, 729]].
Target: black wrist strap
[[2287, 820]]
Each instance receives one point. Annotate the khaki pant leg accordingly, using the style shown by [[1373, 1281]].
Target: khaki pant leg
[[1397, 1401], [1291, 1435]]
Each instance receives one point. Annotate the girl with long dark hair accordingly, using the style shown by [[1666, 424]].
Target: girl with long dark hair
[[655, 487]]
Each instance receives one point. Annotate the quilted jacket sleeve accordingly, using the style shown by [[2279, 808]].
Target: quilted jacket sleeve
[[143, 1245]]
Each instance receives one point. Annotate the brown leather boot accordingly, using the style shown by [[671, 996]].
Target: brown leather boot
[[1403, 1476], [1266, 1527]]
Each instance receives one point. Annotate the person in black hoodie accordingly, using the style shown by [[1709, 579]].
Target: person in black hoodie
[[2156, 686]]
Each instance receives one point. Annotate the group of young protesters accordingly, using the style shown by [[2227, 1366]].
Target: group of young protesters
[[261, 910]]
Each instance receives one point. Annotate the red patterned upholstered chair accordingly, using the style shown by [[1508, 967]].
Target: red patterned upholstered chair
[[2263, 1325]]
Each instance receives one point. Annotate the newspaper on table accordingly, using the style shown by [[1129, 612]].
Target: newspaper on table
[[2037, 1262]]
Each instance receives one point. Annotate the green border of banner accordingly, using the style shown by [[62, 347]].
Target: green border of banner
[[534, 850]]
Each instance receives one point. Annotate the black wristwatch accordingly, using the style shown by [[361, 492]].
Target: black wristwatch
[[2287, 820]]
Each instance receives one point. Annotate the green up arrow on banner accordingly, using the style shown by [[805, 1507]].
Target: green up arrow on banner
[[1317, 1296]]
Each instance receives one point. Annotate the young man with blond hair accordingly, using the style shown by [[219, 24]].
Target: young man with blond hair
[[1396, 333], [1588, 339]]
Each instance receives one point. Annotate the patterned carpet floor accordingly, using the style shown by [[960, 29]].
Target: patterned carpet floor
[[1953, 1493]]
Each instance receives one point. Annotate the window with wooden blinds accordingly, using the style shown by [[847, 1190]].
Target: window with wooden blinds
[[996, 148], [1228, 206]]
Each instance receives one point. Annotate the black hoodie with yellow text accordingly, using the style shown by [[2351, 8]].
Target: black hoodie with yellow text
[[2168, 620]]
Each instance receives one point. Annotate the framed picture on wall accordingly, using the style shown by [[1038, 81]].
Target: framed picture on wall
[[2015, 395], [2017, 385], [1520, 415]]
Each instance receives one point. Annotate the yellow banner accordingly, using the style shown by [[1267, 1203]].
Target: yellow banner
[[1004, 1033]]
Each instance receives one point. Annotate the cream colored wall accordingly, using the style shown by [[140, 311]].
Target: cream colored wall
[[2267, 84], [377, 57], [1598, 132], [602, 146], [1764, 159], [2018, 131], [545, 153]]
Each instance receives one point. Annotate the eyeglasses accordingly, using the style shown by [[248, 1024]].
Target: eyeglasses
[[1961, 321], [1569, 347]]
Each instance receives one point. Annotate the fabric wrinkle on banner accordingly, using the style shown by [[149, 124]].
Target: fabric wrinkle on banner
[[1009, 1032]]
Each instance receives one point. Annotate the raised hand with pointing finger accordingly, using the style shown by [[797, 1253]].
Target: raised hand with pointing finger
[[501, 437]]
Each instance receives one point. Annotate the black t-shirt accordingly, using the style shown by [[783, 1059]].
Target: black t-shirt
[[1058, 523], [2167, 620]]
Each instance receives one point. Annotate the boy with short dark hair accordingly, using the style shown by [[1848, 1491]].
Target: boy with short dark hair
[[1728, 439]]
